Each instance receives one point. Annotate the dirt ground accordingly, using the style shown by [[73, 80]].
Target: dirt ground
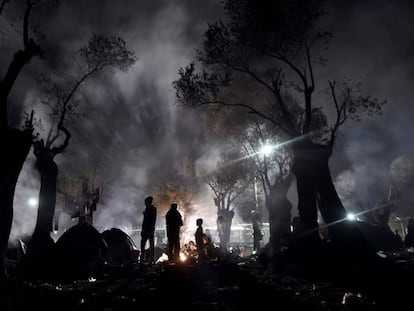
[[217, 285]]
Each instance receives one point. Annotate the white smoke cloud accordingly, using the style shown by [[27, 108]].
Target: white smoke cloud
[[25, 201], [136, 136]]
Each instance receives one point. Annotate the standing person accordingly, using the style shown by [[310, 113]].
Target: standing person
[[174, 222], [199, 235], [148, 229]]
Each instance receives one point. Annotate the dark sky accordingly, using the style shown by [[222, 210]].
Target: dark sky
[[137, 135]]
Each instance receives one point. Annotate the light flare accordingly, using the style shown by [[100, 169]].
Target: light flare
[[183, 257], [32, 202], [266, 150]]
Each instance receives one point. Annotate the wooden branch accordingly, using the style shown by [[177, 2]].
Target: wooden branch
[[338, 113], [308, 58], [275, 90], [62, 148], [29, 6]]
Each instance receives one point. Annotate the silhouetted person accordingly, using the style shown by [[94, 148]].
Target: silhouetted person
[[409, 237], [174, 222], [209, 247], [148, 229], [199, 238], [191, 249]]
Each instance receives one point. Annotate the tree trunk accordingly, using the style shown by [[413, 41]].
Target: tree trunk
[[279, 208], [16, 146], [47, 194], [20, 59], [224, 220], [17, 143], [315, 187], [317, 190]]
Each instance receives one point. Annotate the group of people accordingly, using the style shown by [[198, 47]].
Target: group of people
[[174, 222]]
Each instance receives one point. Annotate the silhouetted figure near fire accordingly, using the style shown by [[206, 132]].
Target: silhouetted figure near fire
[[174, 222], [148, 229], [199, 238]]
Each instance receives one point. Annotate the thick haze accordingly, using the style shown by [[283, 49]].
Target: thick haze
[[373, 44], [136, 137]]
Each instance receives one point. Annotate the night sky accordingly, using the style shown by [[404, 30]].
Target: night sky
[[134, 134]]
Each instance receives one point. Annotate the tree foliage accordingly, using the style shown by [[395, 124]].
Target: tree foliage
[[60, 92], [229, 180], [103, 52], [274, 45]]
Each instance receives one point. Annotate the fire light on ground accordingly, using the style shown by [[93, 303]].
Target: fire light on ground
[[183, 257], [164, 257]]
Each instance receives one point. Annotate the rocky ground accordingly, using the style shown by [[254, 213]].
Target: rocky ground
[[217, 285]]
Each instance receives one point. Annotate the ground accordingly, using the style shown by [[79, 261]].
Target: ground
[[217, 285]]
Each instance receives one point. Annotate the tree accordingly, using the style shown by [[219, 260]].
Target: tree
[[272, 162], [228, 181], [99, 54], [16, 143], [272, 170], [276, 45]]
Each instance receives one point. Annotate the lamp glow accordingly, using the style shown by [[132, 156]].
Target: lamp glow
[[266, 149], [32, 202], [351, 217]]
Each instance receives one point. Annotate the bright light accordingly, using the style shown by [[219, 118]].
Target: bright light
[[183, 257], [32, 202], [266, 149], [351, 216], [163, 258]]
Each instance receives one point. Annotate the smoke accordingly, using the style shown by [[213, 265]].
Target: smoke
[[25, 201], [370, 45], [134, 135], [402, 169], [402, 174]]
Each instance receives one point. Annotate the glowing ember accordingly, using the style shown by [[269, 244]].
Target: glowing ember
[[164, 257], [183, 257]]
